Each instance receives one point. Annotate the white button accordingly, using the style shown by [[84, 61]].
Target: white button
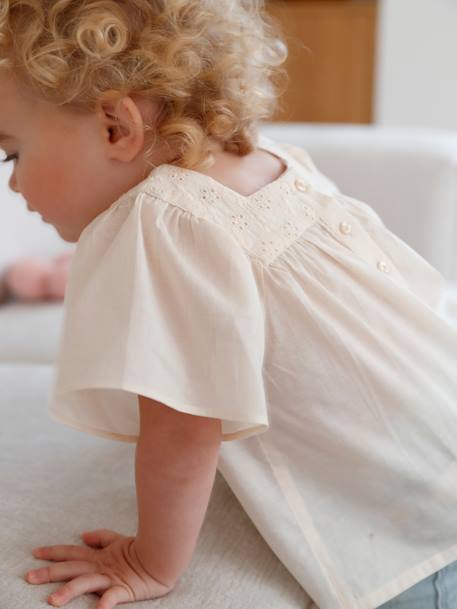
[[383, 266], [301, 186], [345, 228]]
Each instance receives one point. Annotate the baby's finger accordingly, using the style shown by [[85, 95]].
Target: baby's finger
[[59, 553], [100, 538], [77, 587], [61, 571], [114, 596]]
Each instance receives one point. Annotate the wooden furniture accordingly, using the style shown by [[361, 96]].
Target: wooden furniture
[[331, 59]]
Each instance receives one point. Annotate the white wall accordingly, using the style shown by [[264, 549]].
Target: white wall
[[416, 82]]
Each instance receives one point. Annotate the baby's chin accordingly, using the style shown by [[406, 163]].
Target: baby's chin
[[66, 234]]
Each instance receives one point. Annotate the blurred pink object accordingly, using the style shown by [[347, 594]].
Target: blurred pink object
[[33, 279], [58, 279]]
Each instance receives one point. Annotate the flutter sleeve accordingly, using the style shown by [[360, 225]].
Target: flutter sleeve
[[163, 304]]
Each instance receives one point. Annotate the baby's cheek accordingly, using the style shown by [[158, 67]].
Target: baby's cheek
[[34, 185], [44, 189]]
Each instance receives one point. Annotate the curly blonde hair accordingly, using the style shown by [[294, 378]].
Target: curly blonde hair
[[214, 65]]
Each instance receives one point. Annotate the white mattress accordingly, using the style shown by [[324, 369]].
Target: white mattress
[[57, 483]]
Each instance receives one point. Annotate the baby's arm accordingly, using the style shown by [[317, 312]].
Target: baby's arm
[[176, 460]]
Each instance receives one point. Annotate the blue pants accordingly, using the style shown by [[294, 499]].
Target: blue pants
[[437, 591]]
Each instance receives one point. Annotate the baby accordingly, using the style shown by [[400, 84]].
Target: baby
[[226, 307]]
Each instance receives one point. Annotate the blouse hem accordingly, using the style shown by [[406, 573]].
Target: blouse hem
[[406, 580], [102, 433], [373, 600]]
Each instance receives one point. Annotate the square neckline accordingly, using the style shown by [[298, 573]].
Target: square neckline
[[203, 179]]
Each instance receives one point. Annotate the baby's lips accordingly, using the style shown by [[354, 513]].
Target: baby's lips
[[34, 211]]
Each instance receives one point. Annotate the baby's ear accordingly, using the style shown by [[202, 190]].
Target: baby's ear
[[121, 126]]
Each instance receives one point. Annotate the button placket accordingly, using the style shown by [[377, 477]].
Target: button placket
[[301, 185], [332, 221], [383, 266], [345, 227], [360, 243]]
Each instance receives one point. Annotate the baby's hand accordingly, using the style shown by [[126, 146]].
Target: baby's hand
[[109, 567]]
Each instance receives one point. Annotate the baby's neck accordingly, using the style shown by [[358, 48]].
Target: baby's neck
[[244, 174]]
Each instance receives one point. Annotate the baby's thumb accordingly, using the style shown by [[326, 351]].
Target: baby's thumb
[[100, 538]]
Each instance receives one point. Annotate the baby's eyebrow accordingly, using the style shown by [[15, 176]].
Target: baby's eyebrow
[[5, 136]]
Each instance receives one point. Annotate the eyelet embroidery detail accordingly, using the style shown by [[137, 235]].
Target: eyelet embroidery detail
[[268, 248], [175, 175], [239, 221], [263, 225], [261, 201], [285, 188], [214, 194], [291, 230], [207, 195]]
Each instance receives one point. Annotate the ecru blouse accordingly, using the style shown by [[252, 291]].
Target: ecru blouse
[[314, 333]]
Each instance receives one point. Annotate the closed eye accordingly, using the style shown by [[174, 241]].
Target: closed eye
[[10, 157]]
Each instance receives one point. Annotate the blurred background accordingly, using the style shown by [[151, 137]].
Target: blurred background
[[388, 62]]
